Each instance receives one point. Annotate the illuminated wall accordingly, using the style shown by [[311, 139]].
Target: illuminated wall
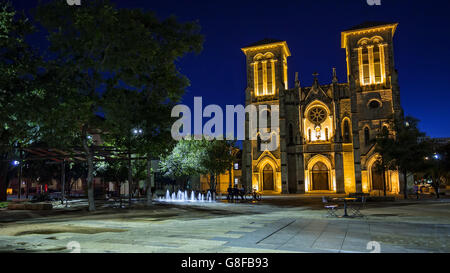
[[349, 169]]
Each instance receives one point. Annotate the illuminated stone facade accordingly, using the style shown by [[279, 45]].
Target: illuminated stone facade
[[325, 129]]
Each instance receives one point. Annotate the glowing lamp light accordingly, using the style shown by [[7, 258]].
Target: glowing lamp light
[[16, 163], [436, 156]]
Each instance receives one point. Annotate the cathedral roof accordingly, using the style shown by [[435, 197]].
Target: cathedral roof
[[267, 42], [264, 41], [369, 24], [366, 27]]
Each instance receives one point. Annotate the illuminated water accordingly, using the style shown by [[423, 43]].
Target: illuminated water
[[181, 196]]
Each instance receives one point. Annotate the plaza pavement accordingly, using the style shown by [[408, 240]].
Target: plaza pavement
[[276, 224]]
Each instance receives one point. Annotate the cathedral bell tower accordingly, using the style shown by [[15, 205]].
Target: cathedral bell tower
[[374, 92], [267, 77], [266, 62]]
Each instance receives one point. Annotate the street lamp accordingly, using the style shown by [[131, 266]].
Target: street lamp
[[137, 131]]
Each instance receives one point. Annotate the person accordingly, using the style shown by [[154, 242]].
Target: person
[[230, 194], [242, 192], [416, 190]]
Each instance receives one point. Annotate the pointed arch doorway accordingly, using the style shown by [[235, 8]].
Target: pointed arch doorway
[[377, 177], [320, 177], [268, 182]]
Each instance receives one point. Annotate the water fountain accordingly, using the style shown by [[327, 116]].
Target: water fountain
[[181, 196]]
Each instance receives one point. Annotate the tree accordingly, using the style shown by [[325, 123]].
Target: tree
[[217, 159], [437, 164], [21, 100], [401, 147], [198, 157], [117, 63], [184, 160]]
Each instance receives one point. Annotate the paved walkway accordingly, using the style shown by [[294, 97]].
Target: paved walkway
[[269, 226]]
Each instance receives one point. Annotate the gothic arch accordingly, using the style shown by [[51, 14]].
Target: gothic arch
[[317, 103], [309, 187], [374, 99], [262, 167], [375, 181], [345, 130]]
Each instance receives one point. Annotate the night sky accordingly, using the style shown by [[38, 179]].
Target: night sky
[[312, 30]]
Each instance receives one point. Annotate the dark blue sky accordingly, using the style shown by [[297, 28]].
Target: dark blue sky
[[312, 30]]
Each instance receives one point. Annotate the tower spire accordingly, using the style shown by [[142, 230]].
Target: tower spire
[[316, 81], [335, 79], [297, 81]]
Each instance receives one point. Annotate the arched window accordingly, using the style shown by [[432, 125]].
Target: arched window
[[346, 131], [374, 104], [385, 130], [366, 136], [371, 60], [365, 66], [264, 74], [291, 134], [377, 63]]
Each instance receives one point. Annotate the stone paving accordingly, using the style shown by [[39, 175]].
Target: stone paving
[[273, 225]]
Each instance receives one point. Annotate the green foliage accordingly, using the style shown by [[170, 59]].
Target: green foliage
[[402, 148], [119, 62], [198, 157], [21, 99]]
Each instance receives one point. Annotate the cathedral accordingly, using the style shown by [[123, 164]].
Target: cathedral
[[326, 130]]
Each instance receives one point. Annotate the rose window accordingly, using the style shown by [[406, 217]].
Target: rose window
[[317, 115]]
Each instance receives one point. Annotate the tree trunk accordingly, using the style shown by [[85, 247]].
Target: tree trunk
[[130, 178], [90, 176], [3, 180], [213, 187], [405, 184], [90, 181], [63, 181], [383, 171], [149, 181]]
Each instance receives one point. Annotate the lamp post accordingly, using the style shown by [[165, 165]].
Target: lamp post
[[16, 163], [135, 132]]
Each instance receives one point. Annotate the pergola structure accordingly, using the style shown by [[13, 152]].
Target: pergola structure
[[59, 156]]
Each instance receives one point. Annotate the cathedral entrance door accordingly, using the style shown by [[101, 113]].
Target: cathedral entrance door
[[268, 178], [377, 178], [320, 177]]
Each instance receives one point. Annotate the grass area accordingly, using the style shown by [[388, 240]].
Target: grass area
[[3, 205]]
